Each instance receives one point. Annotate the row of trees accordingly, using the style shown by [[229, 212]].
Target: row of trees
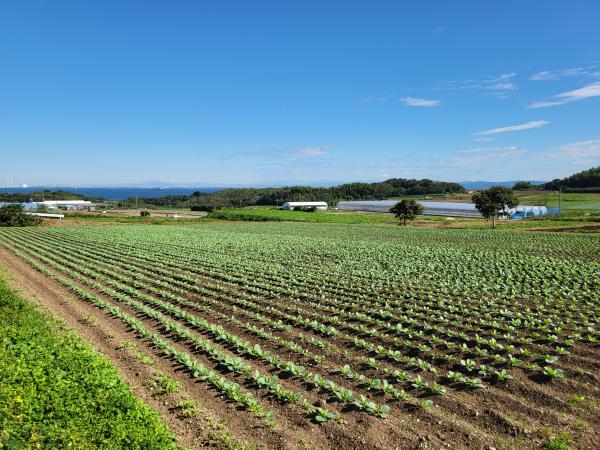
[[586, 180], [38, 196]]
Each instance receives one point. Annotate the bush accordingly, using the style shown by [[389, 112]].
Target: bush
[[15, 216]]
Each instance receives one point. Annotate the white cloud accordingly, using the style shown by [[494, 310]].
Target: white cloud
[[440, 29], [523, 126], [423, 102], [485, 139], [536, 105], [503, 87], [309, 152], [497, 84], [589, 91], [576, 151], [475, 157], [546, 75], [489, 149]]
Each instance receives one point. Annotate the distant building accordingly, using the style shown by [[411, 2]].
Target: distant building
[[319, 206], [69, 205]]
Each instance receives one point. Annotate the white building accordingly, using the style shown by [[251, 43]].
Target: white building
[[319, 206], [69, 205]]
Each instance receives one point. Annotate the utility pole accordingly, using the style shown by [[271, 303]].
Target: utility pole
[[559, 192]]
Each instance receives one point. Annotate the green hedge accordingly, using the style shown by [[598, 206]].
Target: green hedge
[[57, 392]]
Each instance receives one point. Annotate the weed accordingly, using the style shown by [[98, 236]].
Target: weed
[[167, 384]]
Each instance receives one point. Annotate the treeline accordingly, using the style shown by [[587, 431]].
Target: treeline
[[240, 197], [38, 196], [584, 181]]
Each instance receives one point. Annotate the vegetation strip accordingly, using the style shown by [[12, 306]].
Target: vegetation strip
[[56, 392]]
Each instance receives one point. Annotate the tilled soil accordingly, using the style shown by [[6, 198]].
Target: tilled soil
[[490, 419]]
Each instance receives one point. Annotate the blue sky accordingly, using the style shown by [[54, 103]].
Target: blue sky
[[275, 92]]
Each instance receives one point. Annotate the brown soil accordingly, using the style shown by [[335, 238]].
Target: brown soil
[[107, 335], [522, 414]]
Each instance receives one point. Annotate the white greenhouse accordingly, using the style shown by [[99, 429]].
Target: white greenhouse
[[447, 209], [319, 206]]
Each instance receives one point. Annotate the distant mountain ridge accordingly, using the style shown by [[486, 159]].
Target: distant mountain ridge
[[473, 185]]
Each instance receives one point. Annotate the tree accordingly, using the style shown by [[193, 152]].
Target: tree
[[407, 210], [14, 216], [523, 186], [493, 201]]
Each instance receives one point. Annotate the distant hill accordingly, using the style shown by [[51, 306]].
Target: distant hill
[[586, 180], [475, 185]]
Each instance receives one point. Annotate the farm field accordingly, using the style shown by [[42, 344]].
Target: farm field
[[303, 335]]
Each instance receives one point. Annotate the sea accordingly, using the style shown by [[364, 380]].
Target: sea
[[114, 193]]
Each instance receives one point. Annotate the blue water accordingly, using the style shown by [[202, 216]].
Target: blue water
[[114, 193]]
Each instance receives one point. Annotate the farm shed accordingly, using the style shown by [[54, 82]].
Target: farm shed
[[319, 206]]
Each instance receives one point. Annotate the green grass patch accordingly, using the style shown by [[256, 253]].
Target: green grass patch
[[115, 218], [252, 214], [57, 392]]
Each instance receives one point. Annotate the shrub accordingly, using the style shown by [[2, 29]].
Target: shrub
[[15, 216]]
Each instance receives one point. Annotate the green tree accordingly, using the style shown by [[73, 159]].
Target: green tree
[[407, 210], [523, 186], [13, 215], [494, 201]]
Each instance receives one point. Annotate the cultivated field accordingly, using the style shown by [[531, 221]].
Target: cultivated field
[[304, 335]]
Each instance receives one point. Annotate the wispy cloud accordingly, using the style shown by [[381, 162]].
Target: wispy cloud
[[502, 87], [309, 152], [282, 155], [546, 75], [576, 151], [536, 105], [475, 157], [439, 30], [485, 139], [523, 126], [497, 85], [589, 91], [423, 102]]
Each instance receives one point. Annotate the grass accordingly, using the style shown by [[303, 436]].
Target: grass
[[117, 218], [560, 442], [577, 200], [57, 392], [251, 214], [275, 215]]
